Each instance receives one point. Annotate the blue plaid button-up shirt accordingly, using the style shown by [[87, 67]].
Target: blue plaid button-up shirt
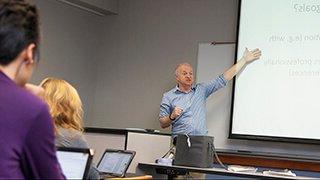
[[192, 120]]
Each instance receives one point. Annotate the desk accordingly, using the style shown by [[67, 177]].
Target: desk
[[172, 170]]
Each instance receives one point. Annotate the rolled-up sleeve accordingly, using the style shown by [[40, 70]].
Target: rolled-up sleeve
[[215, 85], [165, 107]]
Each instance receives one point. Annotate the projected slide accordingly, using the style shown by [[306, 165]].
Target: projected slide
[[279, 95]]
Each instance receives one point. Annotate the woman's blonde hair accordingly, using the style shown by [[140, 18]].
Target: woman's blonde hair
[[64, 104]]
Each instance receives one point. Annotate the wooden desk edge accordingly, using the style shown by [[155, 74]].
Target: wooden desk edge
[[142, 177]]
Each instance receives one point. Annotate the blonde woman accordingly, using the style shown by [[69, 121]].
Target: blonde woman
[[66, 110]]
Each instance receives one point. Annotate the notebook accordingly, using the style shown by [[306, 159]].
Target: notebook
[[75, 162], [115, 162]]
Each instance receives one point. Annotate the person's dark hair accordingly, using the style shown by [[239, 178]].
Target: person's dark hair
[[19, 27]]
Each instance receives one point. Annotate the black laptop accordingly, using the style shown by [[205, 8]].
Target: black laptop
[[75, 162], [115, 162]]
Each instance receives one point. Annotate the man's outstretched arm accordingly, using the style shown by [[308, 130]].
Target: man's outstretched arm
[[248, 56]]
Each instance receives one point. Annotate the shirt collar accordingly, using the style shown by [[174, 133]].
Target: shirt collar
[[176, 89]]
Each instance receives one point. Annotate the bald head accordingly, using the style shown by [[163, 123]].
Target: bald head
[[184, 76], [181, 65]]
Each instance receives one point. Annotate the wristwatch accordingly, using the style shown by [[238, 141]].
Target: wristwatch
[[170, 118]]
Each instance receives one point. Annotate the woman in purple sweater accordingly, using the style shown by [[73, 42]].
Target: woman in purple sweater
[[26, 129]]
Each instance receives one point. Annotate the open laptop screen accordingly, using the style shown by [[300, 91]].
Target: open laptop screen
[[74, 162], [115, 162]]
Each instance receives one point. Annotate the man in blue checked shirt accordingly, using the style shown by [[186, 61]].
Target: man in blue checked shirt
[[184, 106]]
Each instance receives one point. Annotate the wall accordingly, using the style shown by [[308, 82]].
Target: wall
[[109, 5], [70, 42], [142, 45]]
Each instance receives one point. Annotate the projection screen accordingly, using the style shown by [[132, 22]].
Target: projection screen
[[277, 97]]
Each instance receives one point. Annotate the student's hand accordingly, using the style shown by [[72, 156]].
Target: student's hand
[[35, 90], [249, 56], [176, 112]]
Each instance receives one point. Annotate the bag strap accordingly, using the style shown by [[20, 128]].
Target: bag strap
[[213, 149], [188, 140]]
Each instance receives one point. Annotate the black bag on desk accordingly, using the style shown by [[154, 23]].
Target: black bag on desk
[[194, 151]]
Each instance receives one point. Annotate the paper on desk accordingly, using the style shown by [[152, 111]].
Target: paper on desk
[[238, 168], [286, 172]]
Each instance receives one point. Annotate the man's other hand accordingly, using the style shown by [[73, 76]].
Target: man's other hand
[[176, 112]]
